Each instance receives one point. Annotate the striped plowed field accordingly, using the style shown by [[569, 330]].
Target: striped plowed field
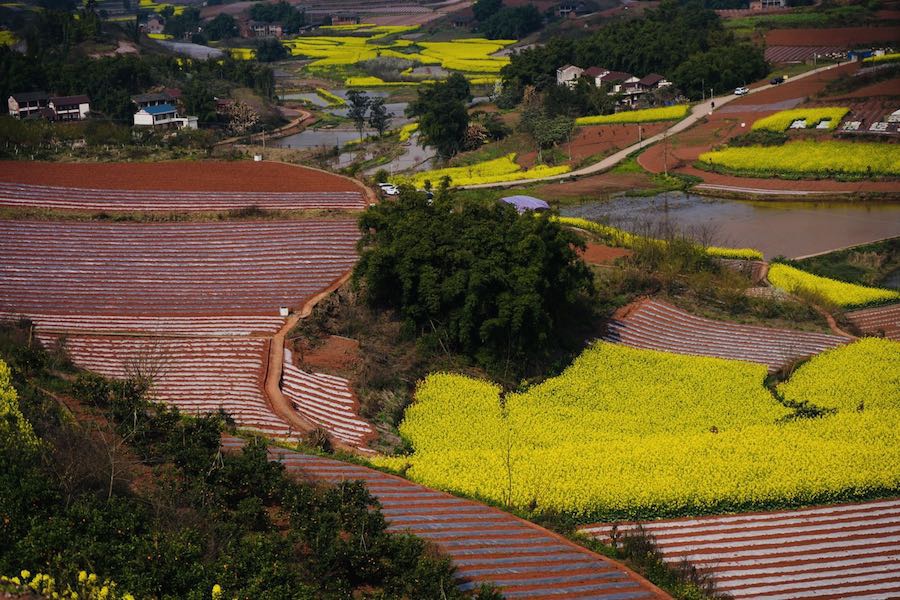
[[486, 544], [880, 320], [198, 376], [179, 176], [87, 199], [789, 54], [170, 269], [157, 326], [839, 551], [656, 325], [328, 401]]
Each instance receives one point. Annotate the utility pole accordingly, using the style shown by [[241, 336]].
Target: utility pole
[[703, 88]]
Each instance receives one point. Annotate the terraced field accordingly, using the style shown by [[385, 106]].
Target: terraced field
[[656, 325], [87, 199], [486, 544], [197, 375], [327, 401], [171, 269], [880, 320], [839, 551]]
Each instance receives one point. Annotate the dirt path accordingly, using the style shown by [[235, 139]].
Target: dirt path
[[275, 366]]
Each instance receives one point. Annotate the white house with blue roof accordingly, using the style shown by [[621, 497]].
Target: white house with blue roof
[[163, 114]]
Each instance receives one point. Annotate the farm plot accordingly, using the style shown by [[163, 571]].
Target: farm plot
[[656, 325], [835, 551], [881, 320], [74, 198], [792, 54], [181, 176], [327, 401], [169, 269], [486, 544], [197, 375]]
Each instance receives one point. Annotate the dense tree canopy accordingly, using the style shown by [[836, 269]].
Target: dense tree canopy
[[512, 23], [661, 41], [221, 27], [472, 277], [291, 18], [443, 117]]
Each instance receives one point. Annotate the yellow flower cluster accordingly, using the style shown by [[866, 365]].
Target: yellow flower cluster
[[160, 36], [333, 100], [666, 113], [882, 58], [242, 53], [638, 432], [836, 292], [490, 171], [407, 130], [7, 38], [617, 237], [811, 157], [89, 587], [473, 55], [870, 377], [13, 424], [370, 82], [783, 119], [152, 5]]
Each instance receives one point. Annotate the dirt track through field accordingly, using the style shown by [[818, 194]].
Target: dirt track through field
[[486, 544]]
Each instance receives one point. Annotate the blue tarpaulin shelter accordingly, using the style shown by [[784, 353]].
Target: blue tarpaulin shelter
[[523, 203]]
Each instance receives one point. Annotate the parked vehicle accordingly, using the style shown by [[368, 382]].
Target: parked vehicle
[[388, 189], [741, 91], [777, 80]]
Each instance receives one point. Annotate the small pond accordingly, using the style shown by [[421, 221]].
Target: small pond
[[791, 229]]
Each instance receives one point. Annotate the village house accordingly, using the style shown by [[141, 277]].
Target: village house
[[571, 10], [568, 75], [261, 29], [28, 104], [152, 99], [160, 115], [70, 108], [345, 19]]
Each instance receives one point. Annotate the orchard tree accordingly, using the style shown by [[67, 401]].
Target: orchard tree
[[359, 107], [379, 117]]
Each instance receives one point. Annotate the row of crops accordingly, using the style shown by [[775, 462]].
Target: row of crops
[[838, 293], [647, 115], [504, 168], [628, 433], [807, 158], [808, 117]]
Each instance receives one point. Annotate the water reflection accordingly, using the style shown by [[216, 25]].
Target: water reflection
[[791, 229]]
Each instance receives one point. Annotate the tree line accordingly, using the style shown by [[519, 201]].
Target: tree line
[[684, 42]]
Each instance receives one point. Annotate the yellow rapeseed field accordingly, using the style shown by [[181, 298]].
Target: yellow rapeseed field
[[624, 239], [491, 171], [781, 120], [836, 292], [666, 113], [810, 158], [882, 58], [626, 433], [407, 130], [861, 376]]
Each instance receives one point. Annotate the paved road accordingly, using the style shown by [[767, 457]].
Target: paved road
[[697, 112]]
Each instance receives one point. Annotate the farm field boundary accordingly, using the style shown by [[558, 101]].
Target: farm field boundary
[[830, 551], [486, 545], [656, 325]]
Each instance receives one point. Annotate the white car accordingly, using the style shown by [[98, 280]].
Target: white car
[[389, 189], [741, 91]]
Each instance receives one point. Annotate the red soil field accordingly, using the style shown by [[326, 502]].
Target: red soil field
[[180, 269], [199, 176], [598, 254], [335, 353], [599, 139], [842, 36]]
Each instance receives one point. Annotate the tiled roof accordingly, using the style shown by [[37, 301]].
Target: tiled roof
[[159, 109]]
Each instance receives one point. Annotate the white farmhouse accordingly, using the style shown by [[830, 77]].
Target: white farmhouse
[[163, 114], [568, 75]]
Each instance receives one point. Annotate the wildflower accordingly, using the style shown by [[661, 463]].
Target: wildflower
[[25, 574], [104, 593], [82, 576], [216, 592], [92, 578]]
